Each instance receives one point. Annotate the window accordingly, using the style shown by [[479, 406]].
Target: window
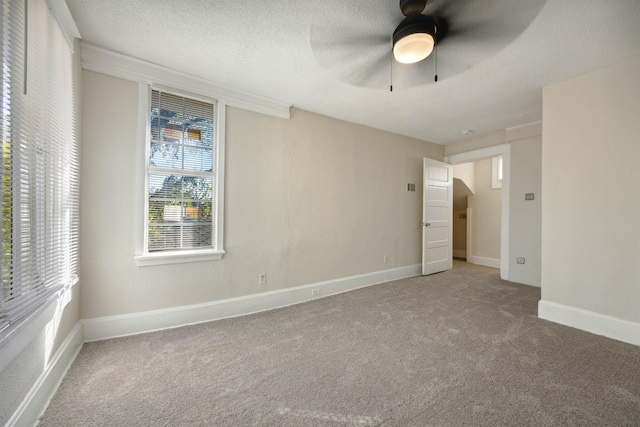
[[40, 162], [496, 172], [183, 179]]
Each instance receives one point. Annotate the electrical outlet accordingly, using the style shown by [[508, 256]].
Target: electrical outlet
[[385, 258], [519, 260], [315, 292], [262, 279]]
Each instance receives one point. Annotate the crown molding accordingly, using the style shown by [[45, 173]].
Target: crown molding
[[524, 125], [101, 60], [65, 20]]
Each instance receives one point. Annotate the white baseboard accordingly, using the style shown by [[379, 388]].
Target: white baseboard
[[37, 400], [590, 321], [457, 253], [489, 262], [136, 323]]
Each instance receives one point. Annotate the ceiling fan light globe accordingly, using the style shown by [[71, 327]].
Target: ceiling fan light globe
[[413, 48]]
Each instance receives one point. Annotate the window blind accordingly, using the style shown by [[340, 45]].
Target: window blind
[[181, 173], [40, 161]]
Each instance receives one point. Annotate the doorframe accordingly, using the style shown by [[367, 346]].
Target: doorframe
[[503, 150]]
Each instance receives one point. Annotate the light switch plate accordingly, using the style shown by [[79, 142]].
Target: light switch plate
[[528, 196]]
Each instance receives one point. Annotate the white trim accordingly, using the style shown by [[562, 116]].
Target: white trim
[[489, 262], [98, 59], [469, 230], [177, 257], [503, 150], [37, 400], [590, 321], [505, 213], [480, 154], [130, 324], [65, 20], [457, 253], [537, 122], [221, 139], [142, 157], [145, 98], [496, 181]]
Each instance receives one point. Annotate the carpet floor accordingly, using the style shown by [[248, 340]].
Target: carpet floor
[[457, 348]]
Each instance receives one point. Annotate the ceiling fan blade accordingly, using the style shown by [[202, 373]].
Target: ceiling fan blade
[[375, 74], [368, 69], [352, 40], [351, 54], [327, 38], [406, 76], [477, 30], [498, 19]]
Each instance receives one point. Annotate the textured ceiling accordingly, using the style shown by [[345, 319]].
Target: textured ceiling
[[332, 56]]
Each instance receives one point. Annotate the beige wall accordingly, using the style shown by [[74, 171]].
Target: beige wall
[[590, 179], [307, 200], [459, 233], [463, 186], [525, 215], [466, 173], [486, 207]]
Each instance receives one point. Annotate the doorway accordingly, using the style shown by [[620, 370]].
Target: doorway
[[477, 212], [503, 151]]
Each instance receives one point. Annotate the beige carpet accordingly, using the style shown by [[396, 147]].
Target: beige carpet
[[457, 348]]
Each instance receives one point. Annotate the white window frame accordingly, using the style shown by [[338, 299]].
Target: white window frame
[[144, 257]]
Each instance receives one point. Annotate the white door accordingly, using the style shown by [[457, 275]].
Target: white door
[[437, 217]]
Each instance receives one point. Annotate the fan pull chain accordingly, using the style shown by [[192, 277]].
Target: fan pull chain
[[391, 71], [436, 78]]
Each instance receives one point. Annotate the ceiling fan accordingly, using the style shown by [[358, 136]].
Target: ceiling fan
[[369, 44]]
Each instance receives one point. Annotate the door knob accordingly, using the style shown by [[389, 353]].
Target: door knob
[[426, 224]]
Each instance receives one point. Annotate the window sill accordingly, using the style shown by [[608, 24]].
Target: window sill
[[160, 258], [18, 336]]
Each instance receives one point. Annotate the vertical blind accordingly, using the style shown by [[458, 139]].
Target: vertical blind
[[40, 161], [180, 173]]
